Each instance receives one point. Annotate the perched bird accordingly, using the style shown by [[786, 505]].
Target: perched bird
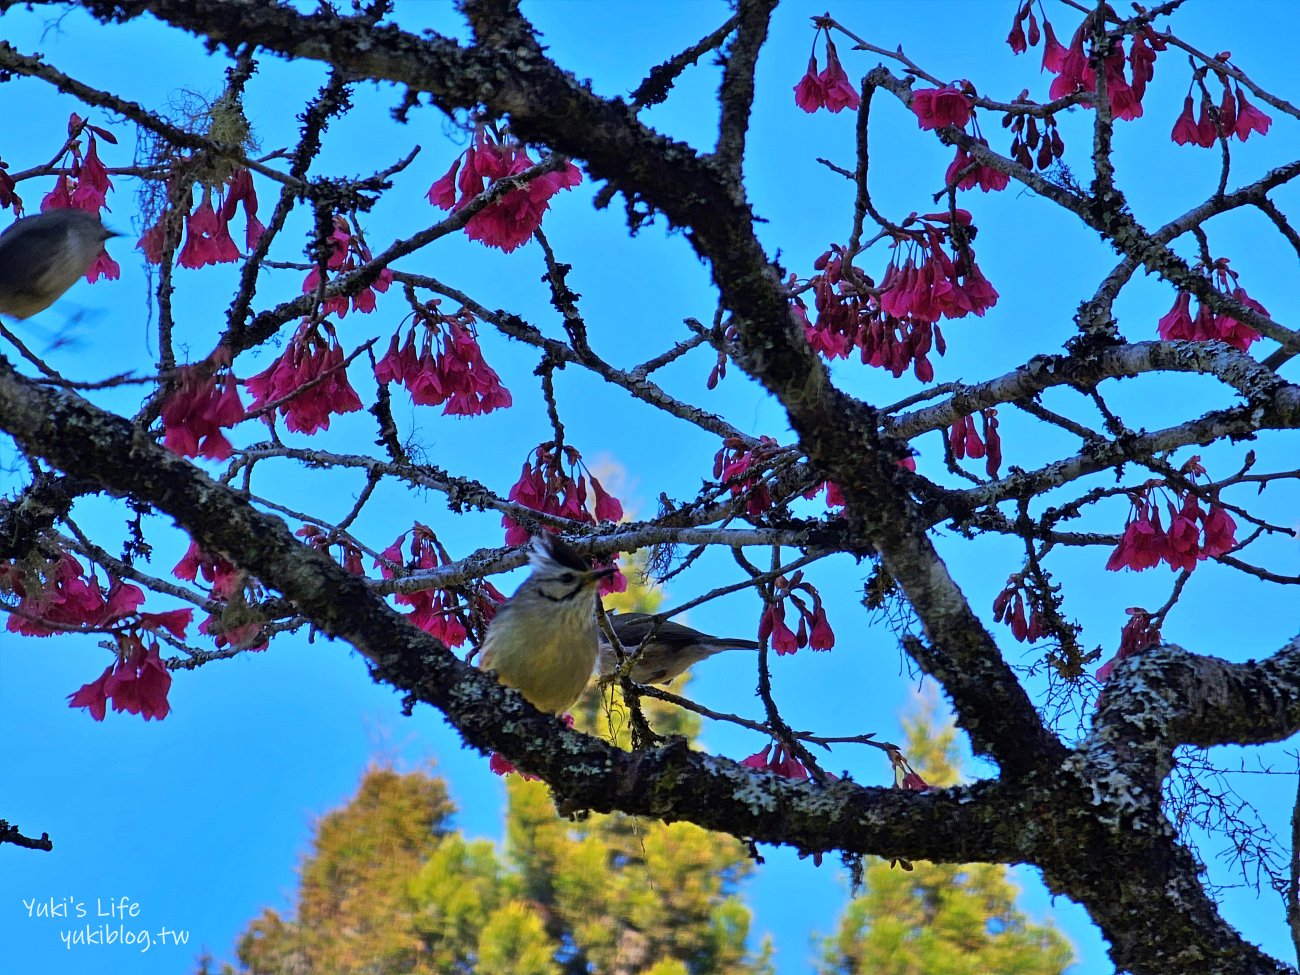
[[543, 639], [42, 256], [670, 648]]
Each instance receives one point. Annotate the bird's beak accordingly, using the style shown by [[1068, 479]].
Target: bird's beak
[[604, 573]]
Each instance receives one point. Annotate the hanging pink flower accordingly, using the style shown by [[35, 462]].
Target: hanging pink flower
[[937, 108], [555, 481], [510, 221], [137, 682], [308, 382], [196, 411]]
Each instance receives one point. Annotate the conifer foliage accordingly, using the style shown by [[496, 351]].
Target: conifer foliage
[[922, 918]]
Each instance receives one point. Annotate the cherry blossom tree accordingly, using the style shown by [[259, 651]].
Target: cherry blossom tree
[[1084, 748]]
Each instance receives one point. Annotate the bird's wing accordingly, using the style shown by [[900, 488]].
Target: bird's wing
[[632, 628], [19, 270]]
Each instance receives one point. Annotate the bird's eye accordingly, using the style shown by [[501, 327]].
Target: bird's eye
[[567, 577]]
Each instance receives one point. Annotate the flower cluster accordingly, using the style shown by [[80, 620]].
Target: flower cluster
[[939, 108], [830, 88], [896, 324], [1073, 67], [966, 441], [730, 334], [223, 578], [814, 628], [1194, 533], [136, 682], [843, 302], [782, 762], [207, 226], [966, 173], [1031, 148], [884, 340], [226, 582], [445, 614], [197, 408], [436, 611], [241, 636], [345, 251], [1138, 634], [1009, 608], [349, 555], [1234, 115], [1206, 325], [937, 285], [743, 469], [1019, 40], [57, 595], [308, 382], [510, 221], [906, 777], [456, 374], [83, 185], [555, 481], [545, 485]]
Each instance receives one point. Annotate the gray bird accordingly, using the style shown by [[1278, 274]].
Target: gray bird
[[670, 651], [43, 256]]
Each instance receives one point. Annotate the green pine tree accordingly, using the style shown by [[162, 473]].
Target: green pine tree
[[939, 919]]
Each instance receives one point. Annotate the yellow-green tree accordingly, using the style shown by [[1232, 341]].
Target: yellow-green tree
[[390, 887], [355, 912], [939, 919]]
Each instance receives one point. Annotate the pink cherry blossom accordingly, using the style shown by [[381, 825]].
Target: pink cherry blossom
[[1138, 634], [510, 221], [821, 637], [1249, 118], [1054, 52], [308, 382], [138, 682], [1220, 532], [937, 108], [223, 577], [809, 93], [555, 482], [782, 762], [838, 92], [1177, 322], [195, 412], [985, 177], [1143, 544]]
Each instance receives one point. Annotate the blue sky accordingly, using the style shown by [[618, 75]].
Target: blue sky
[[201, 819]]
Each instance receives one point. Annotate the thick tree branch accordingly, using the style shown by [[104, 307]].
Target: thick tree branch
[[1086, 371], [1169, 697], [737, 95], [671, 782]]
